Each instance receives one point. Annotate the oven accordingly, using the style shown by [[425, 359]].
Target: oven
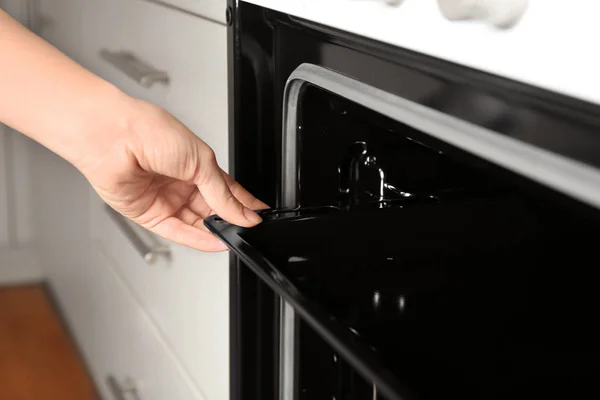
[[433, 227]]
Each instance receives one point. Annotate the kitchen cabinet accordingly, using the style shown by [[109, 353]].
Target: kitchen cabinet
[[102, 311], [190, 51], [164, 325], [19, 10], [60, 23], [187, 295], [59, 193], [213, 10], [4, 199]]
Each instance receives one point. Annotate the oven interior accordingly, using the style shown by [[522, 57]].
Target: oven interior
[[466, 281]]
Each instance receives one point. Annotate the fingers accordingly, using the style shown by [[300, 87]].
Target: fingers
[[217, 194], [198, 208], [193, 217], [177, 231], [242, 194], [198, 205]]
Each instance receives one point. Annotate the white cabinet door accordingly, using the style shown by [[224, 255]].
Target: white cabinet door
[[18, 9], [60, 23], [16, 227], [60, 213], [185, 296], [188, 296], [213, 10], [117, 338], [190, 50], [4, 183], [59, 195]]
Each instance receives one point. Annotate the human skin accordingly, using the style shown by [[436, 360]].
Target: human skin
[[140, 159]]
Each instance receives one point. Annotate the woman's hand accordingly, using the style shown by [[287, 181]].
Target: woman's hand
[[142, 161], [160, 175]]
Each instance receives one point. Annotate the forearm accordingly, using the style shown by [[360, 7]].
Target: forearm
[[141, 160], [52, 99]]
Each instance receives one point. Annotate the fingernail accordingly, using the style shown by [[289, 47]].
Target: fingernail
[[252, 216]]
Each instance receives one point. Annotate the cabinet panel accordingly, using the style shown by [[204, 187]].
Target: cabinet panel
[[20, 171], [16, 226], [116, 336], [18, 9], [60, 23], [4, 200], [190, 50], [187, 296], [213, 10]]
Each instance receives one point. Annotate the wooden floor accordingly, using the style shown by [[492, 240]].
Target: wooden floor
[[38, 360]]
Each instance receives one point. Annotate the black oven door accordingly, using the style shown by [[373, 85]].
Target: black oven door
[[469, 299], [407, 247]]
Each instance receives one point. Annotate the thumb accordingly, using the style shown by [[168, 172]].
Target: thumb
[[218, 196]]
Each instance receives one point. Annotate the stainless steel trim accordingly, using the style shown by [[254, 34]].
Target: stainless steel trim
[[287, 346], [141, 72], [115, 388], [128, 386], [287, 336], [287, 351], [565, 175], [148, 253], [291, 173], [120, 391]]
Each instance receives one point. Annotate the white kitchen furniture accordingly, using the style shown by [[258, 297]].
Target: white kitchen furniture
[[158, 330]]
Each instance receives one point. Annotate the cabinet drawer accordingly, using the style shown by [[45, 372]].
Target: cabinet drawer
[[59, 22], [190, 50], [187, 296], [117, 338]]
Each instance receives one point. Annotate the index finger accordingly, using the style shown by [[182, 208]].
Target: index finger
[[218, 196], [240, 193]]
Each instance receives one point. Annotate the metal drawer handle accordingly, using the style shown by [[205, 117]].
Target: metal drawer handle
[[149, 253], [120, 391], [142, 73]]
